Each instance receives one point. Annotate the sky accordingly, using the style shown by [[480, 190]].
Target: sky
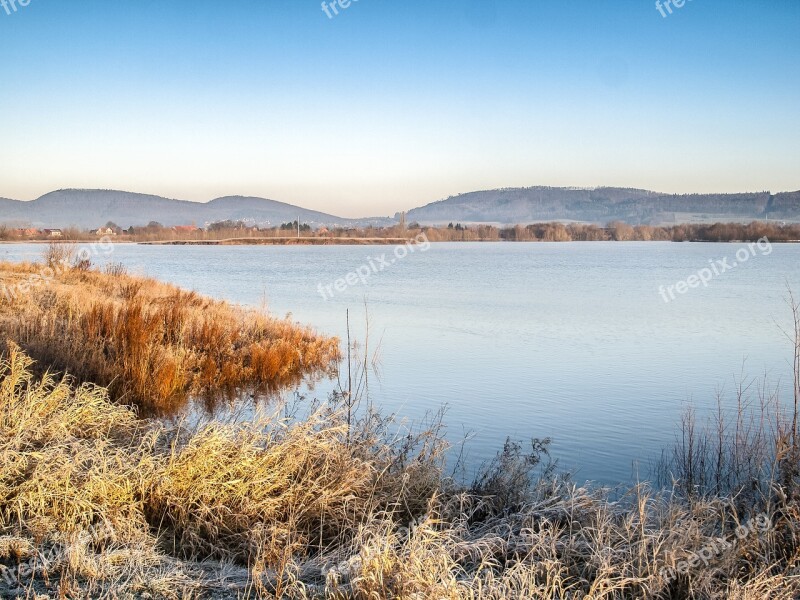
[[392, 104]]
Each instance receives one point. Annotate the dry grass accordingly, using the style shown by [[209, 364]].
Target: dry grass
[[109, 505], [98, 503], [124, 502], [149, 343]]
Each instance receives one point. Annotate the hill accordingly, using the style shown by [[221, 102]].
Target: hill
[[94, 208], [602, 205]]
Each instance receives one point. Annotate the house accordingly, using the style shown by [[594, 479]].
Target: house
[[53, 233], [27, 232], [105, 231]]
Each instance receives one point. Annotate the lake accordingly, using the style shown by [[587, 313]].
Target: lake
[[572, 341]]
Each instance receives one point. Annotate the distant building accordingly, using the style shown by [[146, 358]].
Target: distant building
[[105, 231], [27, 232], [53, 233], [185, 229]]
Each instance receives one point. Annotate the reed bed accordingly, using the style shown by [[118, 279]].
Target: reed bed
[[151, 344], [98, 503]]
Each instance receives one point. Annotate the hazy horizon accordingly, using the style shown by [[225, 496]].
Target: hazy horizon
[[332, 210], [389, 106]]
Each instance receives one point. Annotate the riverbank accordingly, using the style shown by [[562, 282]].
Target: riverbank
[[286, 241], [533, 232], [152, 344], [95, 502]]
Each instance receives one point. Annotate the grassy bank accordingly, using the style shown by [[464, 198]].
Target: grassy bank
[[289, 241], [151, 344], [97, 503], [553, 231]]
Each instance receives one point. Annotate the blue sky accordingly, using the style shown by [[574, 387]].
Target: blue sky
[[396, 103]]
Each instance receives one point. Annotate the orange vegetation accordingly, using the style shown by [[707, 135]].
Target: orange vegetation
[[152, 344]]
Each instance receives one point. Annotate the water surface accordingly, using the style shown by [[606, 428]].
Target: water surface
[[571, 341]]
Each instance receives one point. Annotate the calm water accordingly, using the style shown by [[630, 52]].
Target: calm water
[[571, 341]]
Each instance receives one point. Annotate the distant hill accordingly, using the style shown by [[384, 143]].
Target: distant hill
[[602, 205], [94, 208]]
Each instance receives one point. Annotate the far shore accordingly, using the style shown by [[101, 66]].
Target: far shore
[[284, 241], [316, 241], [399, 235]]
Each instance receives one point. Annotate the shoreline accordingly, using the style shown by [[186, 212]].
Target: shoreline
[[362, 242], [331, 501], [286, 241]]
